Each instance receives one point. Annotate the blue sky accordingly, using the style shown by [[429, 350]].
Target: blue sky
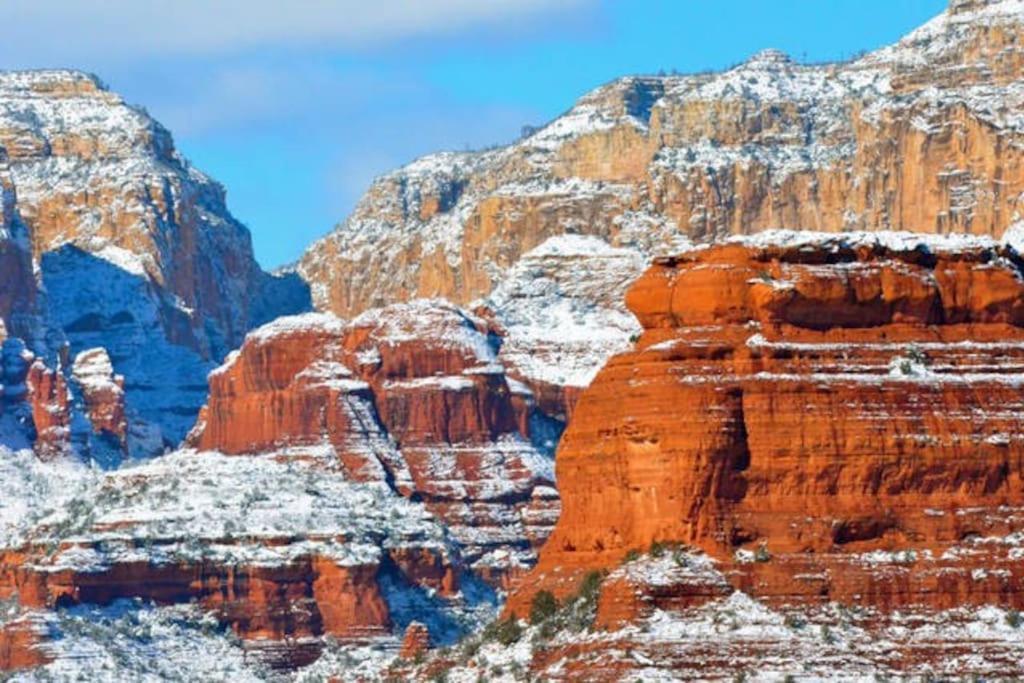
[[296, 106]]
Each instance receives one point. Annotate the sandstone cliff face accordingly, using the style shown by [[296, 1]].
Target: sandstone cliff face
[[918, 136], [19, 307], [135, 249], [347, 479], [832, 420], [283, 548], [412, 396]]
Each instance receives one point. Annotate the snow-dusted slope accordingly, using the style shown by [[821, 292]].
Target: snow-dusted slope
[[561, 309], [189, 523], [134, 250]]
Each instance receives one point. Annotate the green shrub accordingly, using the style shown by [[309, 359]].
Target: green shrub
[[762, 554], [795, 622], [631, 556], [505, 632], [470, 648], [916, 355], [543, 607], [1013, 618]]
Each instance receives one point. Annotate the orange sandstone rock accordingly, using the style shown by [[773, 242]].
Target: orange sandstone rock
[[50, 400], [19, 649], [103, 392], [416, 640], [412, 395], [846, 410]]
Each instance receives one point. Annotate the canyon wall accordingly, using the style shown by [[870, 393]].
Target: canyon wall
[[412, 396], [828, 419], [917, 136], [344, 480], [128, 248]]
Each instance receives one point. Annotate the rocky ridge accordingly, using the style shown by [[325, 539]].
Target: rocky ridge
[[921, 136], [824, 421], [117, 242], [344, 480], [358, 487]]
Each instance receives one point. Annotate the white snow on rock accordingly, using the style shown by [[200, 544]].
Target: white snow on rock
[[893, 240], [93, 371], [304, 323], [562, 309], [136, 250], [192, 505], [432, 321]]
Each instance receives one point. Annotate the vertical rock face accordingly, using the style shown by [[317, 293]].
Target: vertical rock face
[[102, 392], [59, 414], [19, 306], [416, 641], [917, 136], [413, 396], [830, 419], [136, 249], [19, 646], [49, 398]]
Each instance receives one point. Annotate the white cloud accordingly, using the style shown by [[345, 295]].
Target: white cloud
[[53, 30], [219, 96]]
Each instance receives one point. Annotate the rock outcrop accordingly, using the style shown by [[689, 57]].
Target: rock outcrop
[[415, 642], [102, 393], [284, 548], [832, 420], [346, 480], [412, 396], [59, 412], [135, 249], [19, 646], [918, 136]]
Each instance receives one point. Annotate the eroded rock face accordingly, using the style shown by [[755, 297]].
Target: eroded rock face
[[103, 393], [833, 419], [416, 641], [348, 479], [59, 412], [19, 309], [283, 548], [917, 136], [136, 249], [19, 646], [413, 396]]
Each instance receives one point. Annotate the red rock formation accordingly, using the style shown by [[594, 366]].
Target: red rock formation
[[413, 395], [283, 550], [406, 402], [416, 641], [310, 597], [41, 408], [50, 401], [845, 410], [19, 646]]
